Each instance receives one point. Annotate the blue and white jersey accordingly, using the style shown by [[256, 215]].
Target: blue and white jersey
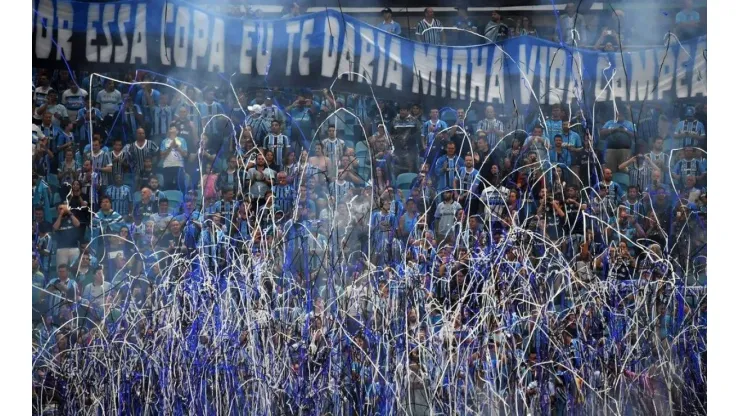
[[284, 197], [161, 118], [207, 113], [279, 144], [74, 101]]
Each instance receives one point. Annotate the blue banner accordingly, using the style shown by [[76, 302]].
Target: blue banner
[[324, 49]]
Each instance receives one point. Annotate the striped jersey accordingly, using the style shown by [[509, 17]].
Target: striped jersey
[[686, 168], [130, 123], [430, 32], [121, 198], [260, 127], [491, 124], [161, 119], [137, 154], [340, 190], [118, 161], [468, 180], [99, 161], [640, 176], [495, 199], [333, 149], [278, 144], [686, 126], [207, 112], [634, 208], [283, 196]]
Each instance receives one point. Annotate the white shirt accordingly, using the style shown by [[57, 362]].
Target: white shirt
[[74, 101], [174, 159], [54, 110], [109, 102]]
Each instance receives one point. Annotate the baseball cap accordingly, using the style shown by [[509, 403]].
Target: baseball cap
[[255, 108], [387, 10]]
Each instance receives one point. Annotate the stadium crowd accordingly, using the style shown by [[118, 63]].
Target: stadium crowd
[[355, 258]]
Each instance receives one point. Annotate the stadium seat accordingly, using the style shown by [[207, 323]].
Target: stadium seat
[[622, 179], [405, 180], [175, 199], [363, 157], [361, 147], [174, 196]]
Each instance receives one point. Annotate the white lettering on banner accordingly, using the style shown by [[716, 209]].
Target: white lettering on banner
[[528, 71], [201, 27], [245, 57], [612, 83], [96, 53], [495, 85], [346, 57], [331, 47], [293, 28], [556, 71], [667, 77], [699, 84], [304, 67], [644, 65], [121, 51], [380, 66], [264, 47], [620, 86], [165, 52], [216, 56], [44, 31], [424, 73], [138, 41], [576, 71], [458, 81], [395, 68], [367, 55], [182, 32], [690, 74], [65, 19], [443, 72], [478, 74]]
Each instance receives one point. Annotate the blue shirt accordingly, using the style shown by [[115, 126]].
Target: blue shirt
[[563, 158], [619, 139], [110, 223], [140, 101], [67, 236], [121, 198], [207, 111], [572, 138], [392, 27], [553, 127], [446, 179]]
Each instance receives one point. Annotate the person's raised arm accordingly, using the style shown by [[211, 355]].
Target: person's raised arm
[[625, 165], [58, 222]]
